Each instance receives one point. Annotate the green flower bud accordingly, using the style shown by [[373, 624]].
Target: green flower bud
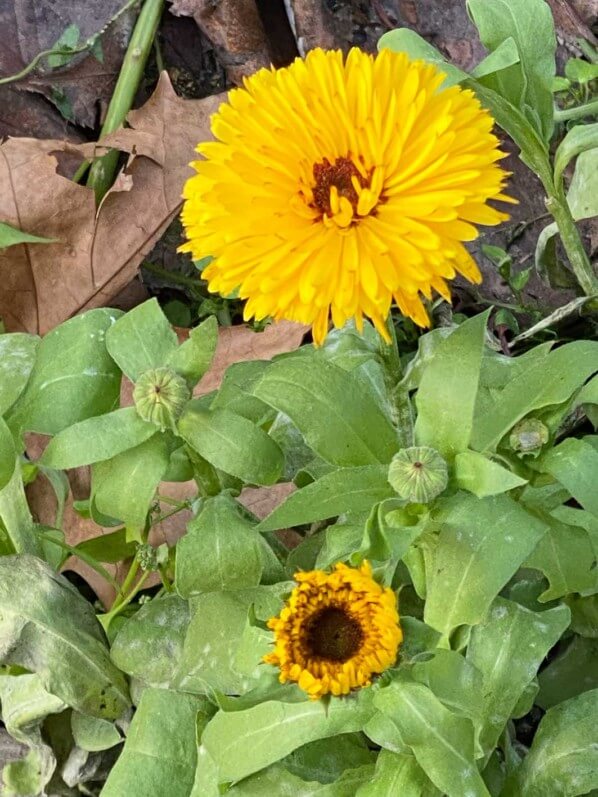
[[160, 395], [151, 558], [528, 435], [418, 474]]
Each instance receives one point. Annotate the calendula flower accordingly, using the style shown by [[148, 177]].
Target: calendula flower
[[336, 186], [336, 631]]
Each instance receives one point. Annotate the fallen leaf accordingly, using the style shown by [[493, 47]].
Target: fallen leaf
[[97, 254], [235, 29], [81, 88]]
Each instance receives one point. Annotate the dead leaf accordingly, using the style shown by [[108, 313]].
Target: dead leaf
[[97, 255], [313, 25], [235, 29]]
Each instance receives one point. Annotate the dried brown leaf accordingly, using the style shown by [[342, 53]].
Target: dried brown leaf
[[96, 255]]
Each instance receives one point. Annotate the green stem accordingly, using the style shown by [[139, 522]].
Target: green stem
[[589, 109], [16, 517], [93, 563], [106, 619], [393, 374], [32, 64], [101, 174], [578, 258], [126, 585], [171, 276]]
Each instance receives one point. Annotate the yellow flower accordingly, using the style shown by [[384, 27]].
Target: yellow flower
[[336, 186], [336, 631]]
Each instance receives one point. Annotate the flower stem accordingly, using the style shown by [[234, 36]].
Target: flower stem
[[402, 415], [578, 258], [589, 109], [101, 174]]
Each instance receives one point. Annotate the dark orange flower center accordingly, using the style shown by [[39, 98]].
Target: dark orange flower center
[[333, 634], [338, 174]]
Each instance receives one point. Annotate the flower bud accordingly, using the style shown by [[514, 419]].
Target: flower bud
[[160, 395], [528, 435], [418, 474]]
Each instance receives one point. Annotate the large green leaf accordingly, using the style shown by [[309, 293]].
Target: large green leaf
[[574, 463], [583, 191], [567, 558], [94, 734], [404, 40], [336, 412], [193, 357], [17, 356], [232, 443], [141, 340], [448, 389], [160, 753], [8, 455], [123, 487], [572, 671], [563, 759], [221, 550], [551, 379], [579, 139], [325, 760], [48, 628], [150, 644], [481, 545], [217, 627], [243, 742], [508, 648], [276, 780], [453, 680], [236, 391], [96, 439], [343, 491], [442, 742], [73, 377], [528, 84], [398, 774]]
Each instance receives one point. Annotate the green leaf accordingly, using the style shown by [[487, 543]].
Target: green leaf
[[572, 671], [508, 648], [243, 742], [448, 389], [453, 680], [325, 760], [527, 85], [141, 339], [405, 40], [73, 377], [123, 487], [583, 191], [160, 753], [341, 540], [506, 54], [220, 551], [276, 780], [232, 443], [17, 356], [193, 357], [389, 532], [567, 558], [97, 439], [584, 615], [481, 545], [574, 463], [549, 379], [581, 71], [8, 455], [111, 547], [398, 774], [93, 734], [150, 644], [442, 742], [579, 139], [335, 411], [563, 758], [48, 628], [481, 476], [10, 236], [27, 776], [217, 626], [343, 491], [236, 391]]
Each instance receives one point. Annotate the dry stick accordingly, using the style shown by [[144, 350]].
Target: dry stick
[[101, 173]]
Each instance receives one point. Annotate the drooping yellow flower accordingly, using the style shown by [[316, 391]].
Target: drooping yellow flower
[[336, 631], [336, 186]]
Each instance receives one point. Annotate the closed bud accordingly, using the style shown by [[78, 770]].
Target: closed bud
[[160, 395], [418, 474], [528, 436]]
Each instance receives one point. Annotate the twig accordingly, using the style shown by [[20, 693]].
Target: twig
[[383, 16]]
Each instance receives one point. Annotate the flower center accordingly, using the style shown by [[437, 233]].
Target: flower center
[[333, 634], [341, 175]]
